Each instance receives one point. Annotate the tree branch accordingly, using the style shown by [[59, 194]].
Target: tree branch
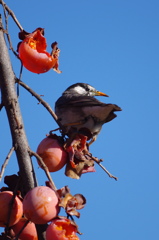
[[11, 104], [10, 101], [6, 30], [11, 13], [98, 161], [45, 104], [44, 167], [6, 162]]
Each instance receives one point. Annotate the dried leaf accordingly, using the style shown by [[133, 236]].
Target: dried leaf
[[71, 203], [81, 200], [55, 53], [80, 160], [63, 191], [64, 200]]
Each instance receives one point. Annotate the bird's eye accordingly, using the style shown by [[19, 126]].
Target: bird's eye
[[87, 89]]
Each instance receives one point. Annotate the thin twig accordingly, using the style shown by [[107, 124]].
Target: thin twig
[[43, 166], [25, 224], [45, 104], [21, 70], [105, 170], [109, 174], [6, 162], [11, 13], [20, 77], [1, 106], [7, 32]]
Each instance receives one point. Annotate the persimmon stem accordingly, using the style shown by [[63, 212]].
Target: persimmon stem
[[44, 167], [6, 162]]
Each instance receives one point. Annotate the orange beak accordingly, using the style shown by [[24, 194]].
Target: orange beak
[[97, 93]]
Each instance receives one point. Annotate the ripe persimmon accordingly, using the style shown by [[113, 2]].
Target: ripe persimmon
[[52, 153], [61, 229], [10, 209], [40, 205]]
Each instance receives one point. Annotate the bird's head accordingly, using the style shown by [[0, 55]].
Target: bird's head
[[83, 89]]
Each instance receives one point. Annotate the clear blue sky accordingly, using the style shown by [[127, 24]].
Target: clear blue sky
[[114, 46]]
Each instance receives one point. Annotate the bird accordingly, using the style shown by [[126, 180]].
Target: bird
[[78, 109]]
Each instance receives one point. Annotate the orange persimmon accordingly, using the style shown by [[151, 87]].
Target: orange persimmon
[[61, 229], [40, 205], [28, 233], [52, 153], [33, 54], [7, 204]]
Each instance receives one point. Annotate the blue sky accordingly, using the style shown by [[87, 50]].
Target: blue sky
[[114, 46]]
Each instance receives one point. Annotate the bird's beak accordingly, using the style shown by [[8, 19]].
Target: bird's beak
[[97, 93]]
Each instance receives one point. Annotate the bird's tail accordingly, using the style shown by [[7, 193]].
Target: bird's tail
[[112, 115]]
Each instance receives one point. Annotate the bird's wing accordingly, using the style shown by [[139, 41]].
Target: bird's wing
[[84, 101], [79, 102]]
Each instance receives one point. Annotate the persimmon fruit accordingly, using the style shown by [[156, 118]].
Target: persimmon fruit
[[28, 233], [40, 205], [7, 204], [61, 229], [52, 153], [33, 54]]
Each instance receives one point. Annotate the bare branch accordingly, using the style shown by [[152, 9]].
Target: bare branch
[[11, 104], [44, 167], [6, 31], [109, 174], [105, 170], [11, 13], [45, 104], [6, 162]]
